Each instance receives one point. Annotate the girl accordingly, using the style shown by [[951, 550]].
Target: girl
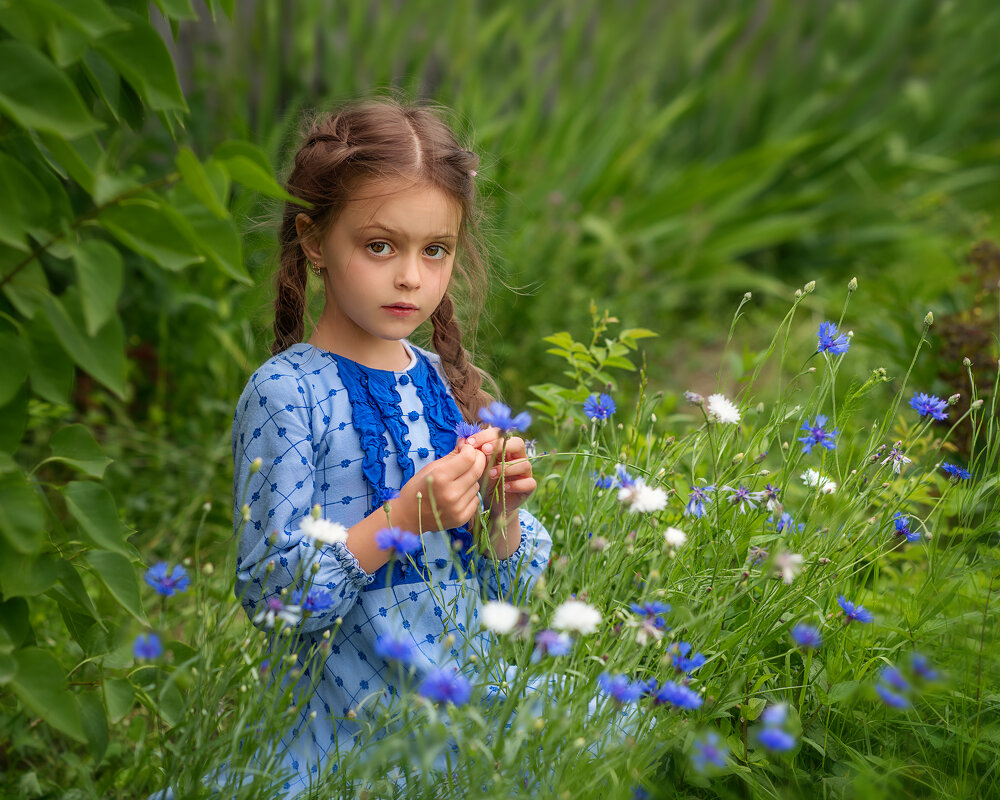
[[361, 423]]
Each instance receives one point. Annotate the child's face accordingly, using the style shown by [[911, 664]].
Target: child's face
[[387, 262]]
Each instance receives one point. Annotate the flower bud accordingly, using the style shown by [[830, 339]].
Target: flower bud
[[352, 714], [539, 723], [809, 286], [255, 465], [977, 404], [245, 512], [954, 399], [652, 417], [798, 294], [316, 511], [747, 296], [207, 568], [314, 568], [929, 319], [811, 370], [738, 458], [206, 506], [852, 285], [270, 567], [966, 362], [694, 398]]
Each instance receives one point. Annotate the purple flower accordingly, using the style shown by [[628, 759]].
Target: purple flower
[[652, 612], [446, 686], [147, 646], [602, 481], [891, 698], [894, 678], [552, 643], [771, 497], [677, 695], [167, 584], [757, 555], [316, 601], [620, 688], [806, 636], [500, 416], [389, 494], [707, 751], [776, 739], [830, 341], [854, 613], [902, 524], [922, 667], [743, 497], [929, 405], [785, 522], [622, 479], [956, 472], [466, 429], [402, 541], [696, 501], [600, 407], [392, 649], [681, 661], [818, 434]]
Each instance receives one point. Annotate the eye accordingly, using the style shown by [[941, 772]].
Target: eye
[[379, 248], [435, 251]]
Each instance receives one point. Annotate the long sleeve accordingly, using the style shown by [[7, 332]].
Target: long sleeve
[[511, 578], [274, 422]]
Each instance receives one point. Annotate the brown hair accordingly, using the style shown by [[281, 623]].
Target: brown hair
[[376, 139]]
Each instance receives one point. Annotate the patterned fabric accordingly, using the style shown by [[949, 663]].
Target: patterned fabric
[[332, 432]]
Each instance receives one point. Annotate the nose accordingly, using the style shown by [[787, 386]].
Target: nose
[[408, 274]]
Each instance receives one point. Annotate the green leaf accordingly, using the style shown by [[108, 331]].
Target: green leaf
[[13, 421], [99, 276], [631, 334], [145, 226], [28, 287], [94, 508], [171, 703], [13, 366], [15, 624], [35, 93], [51, 369], [102, 356], [176, 9], [27, 575], [73, 590], [141, 56], [95, 722], [235, 147], [252, 175], [217, 239], [25, 205], [22, 521], [76, 446], [197, 180], [117, 573], [40, 684], [119, 697], [8, 668], [92, 17], [619, 363], [753, 709]]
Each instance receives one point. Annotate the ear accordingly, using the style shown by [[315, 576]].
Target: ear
[[308, 239]]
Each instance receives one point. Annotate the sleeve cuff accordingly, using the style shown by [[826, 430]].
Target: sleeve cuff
[[352, 568]]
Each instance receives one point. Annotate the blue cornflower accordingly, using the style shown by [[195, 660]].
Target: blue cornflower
[[622, 478], [902, 524], [681, 661], [389, 494], [599, 407], [771, 497], [650, 610], [315, 602], [620, 688], [922, 667], [147, 646], [392, 649], [894, 678], [709, 750], [553, 643], [167, 584], [602, 481], [466, 429], [830, 341], [929, 405], [677, 695], [775, 739], [696, 501], [806, 636], [785, 522], [446, 686], [891, 698], [402, 541], [775, 714], [743, 497], [956, 472], [854, 612], [817, 434], [500, 416]]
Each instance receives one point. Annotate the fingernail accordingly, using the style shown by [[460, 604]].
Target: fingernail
[[471, 440], [494, 472]]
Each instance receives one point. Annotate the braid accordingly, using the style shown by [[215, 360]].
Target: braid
[[290, 289], [465, 379]]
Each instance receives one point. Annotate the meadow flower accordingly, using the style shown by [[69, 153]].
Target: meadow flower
[[696, 501], [575, 615], [806, 636], [893, 678], [466, 429], [675, 537], [599, 407], [500, 416], [818, 434], [274, 609], [922, 668], [709, 750], [315, 602], [653, 610], [323, 530], [902, 527], [830, 341], [775, 739], [854, 613], [677, 695], [757, 555], [679, 656], [775, 714], [623, 480], [956, 472], [393, 649], [929, 405], [147, 646], [500, 617], [743, 497], [812, 478], [694, 398], [770, 495], [446, 686], [643, 499], [402, 541], [891, 698], [896, 457], [552, 643], [785, 522], [602, 481], [166, 583], [530, 447], [720, 409], [620, 688]]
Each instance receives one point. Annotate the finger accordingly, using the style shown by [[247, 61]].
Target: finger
[[514, 469], [482, 437], [522, 486]]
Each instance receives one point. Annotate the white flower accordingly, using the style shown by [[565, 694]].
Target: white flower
[[811, 477], [721, 409], [789, 565], [500, 617], [675, 537], [575, 615], [274, 609], [642, 498], [322, 530]]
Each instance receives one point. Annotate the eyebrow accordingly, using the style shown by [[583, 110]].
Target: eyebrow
[[400, 235]]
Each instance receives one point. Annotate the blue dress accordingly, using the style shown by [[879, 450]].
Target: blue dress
[[332, 432]]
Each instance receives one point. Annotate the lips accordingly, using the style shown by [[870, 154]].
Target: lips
[[401, 309]]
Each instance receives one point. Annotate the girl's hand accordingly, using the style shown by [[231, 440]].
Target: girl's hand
[[514, 470], [448, 489]]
